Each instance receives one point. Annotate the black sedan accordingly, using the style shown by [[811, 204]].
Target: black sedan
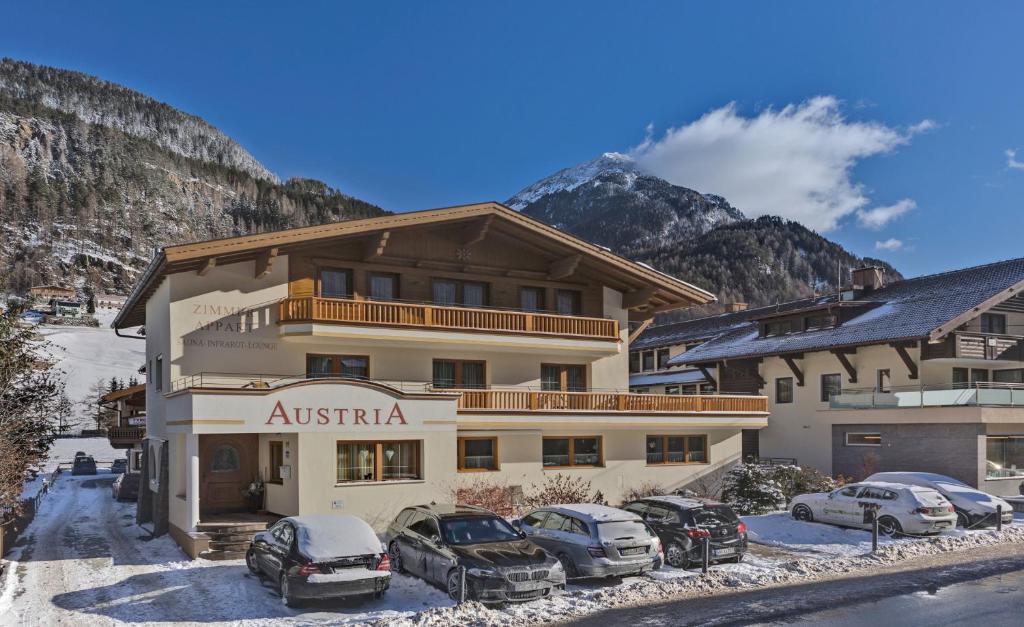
[[684, 524], [320, 556], [449, 544]]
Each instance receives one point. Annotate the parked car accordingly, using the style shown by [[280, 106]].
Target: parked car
[[320, 556], [118, 466], [126, 486], [974, 508], [902, 508], [594, 540], [84, 465], [683, 524], [436, 542], [32, 317]]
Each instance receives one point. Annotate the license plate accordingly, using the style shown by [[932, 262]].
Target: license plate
[[720, 552], [636, 550]]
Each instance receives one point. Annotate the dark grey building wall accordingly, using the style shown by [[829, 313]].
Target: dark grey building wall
[[948, 449]]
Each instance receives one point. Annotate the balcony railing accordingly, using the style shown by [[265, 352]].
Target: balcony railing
[[974, 394], [426, 316], [125, 435], [507, 398]]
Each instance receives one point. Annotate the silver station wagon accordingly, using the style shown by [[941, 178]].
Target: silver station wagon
[[594, 540]]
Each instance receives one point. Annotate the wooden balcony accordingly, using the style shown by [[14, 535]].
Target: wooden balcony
[[967, 345], [532, 401], [125, 437], [434, 317]]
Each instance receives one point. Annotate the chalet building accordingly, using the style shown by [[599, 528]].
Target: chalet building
[[46, 293], [110, 301], [923, 374], [129, 428], [368, 365]]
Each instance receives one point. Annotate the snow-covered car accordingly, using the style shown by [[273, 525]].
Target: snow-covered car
[[126, 486], [974, 508], [594, 540], [119, 466], [320, 556], [901, 509]]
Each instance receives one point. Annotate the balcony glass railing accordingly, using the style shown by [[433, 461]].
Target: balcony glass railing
[[974, 394]]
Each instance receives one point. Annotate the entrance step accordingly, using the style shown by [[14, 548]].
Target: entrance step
[[222, 555], [231, 537], [247, 527], [220, 545]]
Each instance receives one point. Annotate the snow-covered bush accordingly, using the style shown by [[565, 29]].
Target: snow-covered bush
[[561, 489], [794, 480], [752, 489]]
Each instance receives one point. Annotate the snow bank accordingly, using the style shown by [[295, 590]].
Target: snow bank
[[326, 536], [348, 574]]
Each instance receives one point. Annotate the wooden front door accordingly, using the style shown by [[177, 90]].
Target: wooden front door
[[227, 465]]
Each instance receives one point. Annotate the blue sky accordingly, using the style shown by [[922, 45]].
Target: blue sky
[[416, 105]]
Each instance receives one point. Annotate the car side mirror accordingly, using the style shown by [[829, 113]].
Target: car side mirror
[[517, 524], [436, 541]]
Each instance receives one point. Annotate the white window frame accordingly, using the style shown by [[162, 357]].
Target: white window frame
[[846, 438]]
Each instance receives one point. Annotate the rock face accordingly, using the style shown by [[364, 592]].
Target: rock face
[[93, 176], [698, 237]]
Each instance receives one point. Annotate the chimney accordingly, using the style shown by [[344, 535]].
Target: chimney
[[734, 307], [867, 279]]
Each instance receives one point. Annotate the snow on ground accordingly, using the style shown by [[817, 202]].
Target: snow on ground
[[84, 561], [64, 449], [88, 354]]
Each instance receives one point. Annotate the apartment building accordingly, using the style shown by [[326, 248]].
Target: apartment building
[[922, 374], [368, 365]]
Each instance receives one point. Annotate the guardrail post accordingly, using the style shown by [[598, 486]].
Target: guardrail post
[[999, 518], [705, 555], [462, 584], [874, 532]]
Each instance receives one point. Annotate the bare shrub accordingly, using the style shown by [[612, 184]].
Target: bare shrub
[[647, 488], [561, 489], [500, 498]]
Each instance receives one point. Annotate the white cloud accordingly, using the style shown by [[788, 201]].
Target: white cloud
[[878, 217], [892, 245], [1011, 160], [922, 127], [796, 162]]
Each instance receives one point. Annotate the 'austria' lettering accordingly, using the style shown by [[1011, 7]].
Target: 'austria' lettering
[[334, 415]]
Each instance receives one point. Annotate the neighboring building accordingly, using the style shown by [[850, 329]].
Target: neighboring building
[[110, 301], [129, 428], [46, 293], [66, 308], [368, 365], [923, 374]]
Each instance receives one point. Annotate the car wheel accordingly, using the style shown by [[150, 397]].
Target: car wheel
[[250, 561], [676, 556], [455, 586], [396, 558], [568, 565], [282, 586], [889, 526], [804, 513], [962, 520]]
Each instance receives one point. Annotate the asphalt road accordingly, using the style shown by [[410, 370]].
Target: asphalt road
[[983, 588]]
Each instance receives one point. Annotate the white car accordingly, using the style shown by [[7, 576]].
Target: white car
[[974, 508], [902, 508]]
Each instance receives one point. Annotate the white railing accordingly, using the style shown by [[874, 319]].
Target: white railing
[[948, 395]]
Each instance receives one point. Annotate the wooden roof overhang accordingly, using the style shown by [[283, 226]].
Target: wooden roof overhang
[[645, 290]]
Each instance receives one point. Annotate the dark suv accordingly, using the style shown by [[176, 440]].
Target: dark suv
[[683, 523], [84, 465], [435, 542]]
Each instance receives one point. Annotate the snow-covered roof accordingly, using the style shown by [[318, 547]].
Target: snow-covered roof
[[679, 501], [595, 512], [327, 536], [667, 378]]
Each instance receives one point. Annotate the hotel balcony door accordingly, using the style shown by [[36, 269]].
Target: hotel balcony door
[[227, 464]]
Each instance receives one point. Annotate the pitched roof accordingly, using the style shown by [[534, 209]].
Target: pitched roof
[[923, 307], [665, 292], [671, 377]]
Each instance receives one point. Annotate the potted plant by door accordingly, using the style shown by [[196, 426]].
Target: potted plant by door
[[254, 494]]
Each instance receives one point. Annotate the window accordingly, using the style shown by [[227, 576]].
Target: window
[[158, 373], [658, 513], [634, 362], [648, 358], [563, 377], [677, 449], [639, 508], [567, 302], [883, 381], [276, 460], [640, 390], [452, 292], [1004, 456], [284, 533], [961, 377], [335, 283], [379, 461], [819, 321], [478, 454], [426, 527], [831, 384], [531, 298], [784, 390], [579, 451], [779, 327], [350, 366], [383, 286], [225, 459], [993, 323], [535, 519], [662, 358], [457, 373], [850, 491], [672, 389], [863, 439], [404, 517], [979, 375], [554, 521], [1015, 375]]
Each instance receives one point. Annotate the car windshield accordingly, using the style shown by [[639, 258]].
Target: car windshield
[[621, 529], [477, 530], [714, 515]]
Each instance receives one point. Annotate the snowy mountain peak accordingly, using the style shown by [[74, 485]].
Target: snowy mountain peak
[[569, 179]]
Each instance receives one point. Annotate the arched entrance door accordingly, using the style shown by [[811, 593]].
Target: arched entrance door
[[227, 465]]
